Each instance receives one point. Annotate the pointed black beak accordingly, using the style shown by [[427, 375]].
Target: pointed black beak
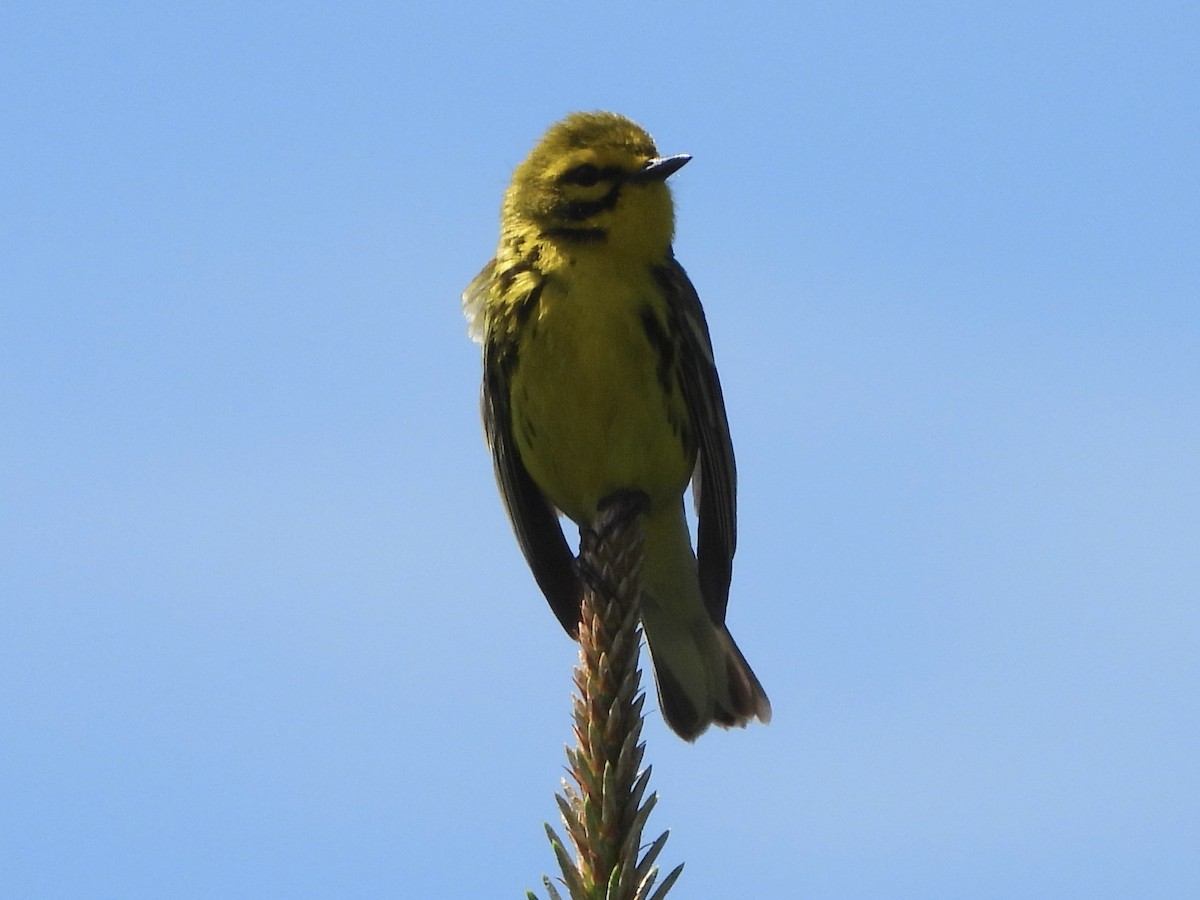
[[661, 167]]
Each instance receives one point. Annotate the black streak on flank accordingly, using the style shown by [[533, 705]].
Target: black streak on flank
[[524, 263], [529, 303], [665, 281], [528, 429], [663, 346]]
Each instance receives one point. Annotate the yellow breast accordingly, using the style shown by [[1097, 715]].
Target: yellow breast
[[595, 406]]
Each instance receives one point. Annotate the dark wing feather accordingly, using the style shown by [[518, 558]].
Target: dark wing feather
[[714, 483], [533, 517]]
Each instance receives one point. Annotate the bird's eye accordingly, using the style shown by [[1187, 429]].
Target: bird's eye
[[585, 175]]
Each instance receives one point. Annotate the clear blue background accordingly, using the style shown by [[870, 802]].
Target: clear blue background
[[264, 630]]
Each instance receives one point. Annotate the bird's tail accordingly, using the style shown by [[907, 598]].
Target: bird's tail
[[701, 674]]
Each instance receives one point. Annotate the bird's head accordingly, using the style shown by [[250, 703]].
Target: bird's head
[[595, 179]]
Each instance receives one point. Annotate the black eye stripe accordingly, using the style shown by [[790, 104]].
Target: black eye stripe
[[588, 175], [584, 176]]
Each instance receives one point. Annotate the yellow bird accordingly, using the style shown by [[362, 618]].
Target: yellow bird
[[598, 377]]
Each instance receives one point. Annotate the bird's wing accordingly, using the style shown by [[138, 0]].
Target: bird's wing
[[534, 518], [714, 483]]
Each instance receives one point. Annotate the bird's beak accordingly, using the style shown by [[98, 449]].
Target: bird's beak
[[659, 168]]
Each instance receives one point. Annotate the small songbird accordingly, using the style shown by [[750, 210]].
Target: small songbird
[[598, 377]]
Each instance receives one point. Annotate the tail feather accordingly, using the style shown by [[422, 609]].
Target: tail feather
[[724, 690], [747, 699], [701, 674]]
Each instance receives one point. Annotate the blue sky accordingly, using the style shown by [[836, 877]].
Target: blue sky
[[264, 630]]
